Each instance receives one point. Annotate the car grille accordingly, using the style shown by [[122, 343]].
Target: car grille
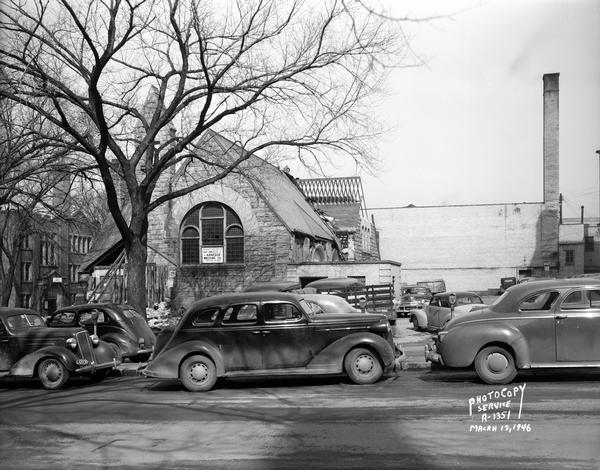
[[85, 347]]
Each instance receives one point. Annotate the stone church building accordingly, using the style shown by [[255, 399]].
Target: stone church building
[[255, 225]]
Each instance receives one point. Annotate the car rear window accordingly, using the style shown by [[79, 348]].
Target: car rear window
[[130, 313], [539, 301], [205, 317]]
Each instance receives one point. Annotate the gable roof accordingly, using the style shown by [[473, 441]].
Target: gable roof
[[276, 188]]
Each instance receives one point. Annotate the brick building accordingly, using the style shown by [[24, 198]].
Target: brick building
[[47, 273]]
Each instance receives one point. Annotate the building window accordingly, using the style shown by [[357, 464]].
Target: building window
[[26, 300], [48, 250], [212, 234], [589, 243], [26, 242], [79, 244], [73, 272], [26, 272], [569, 257]]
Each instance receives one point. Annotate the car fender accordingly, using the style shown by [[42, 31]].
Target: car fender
[[166, 364], [127, 345], [461, 344], [421, 317], [334, 354], [26, 366]]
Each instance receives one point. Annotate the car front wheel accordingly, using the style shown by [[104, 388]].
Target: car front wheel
[[52, 373], [495, 365], [363, 366], [198, 373]]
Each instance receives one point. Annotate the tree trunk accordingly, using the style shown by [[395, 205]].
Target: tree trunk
[[136, 275]]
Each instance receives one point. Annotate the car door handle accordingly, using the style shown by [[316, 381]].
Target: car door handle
[[561, 317]]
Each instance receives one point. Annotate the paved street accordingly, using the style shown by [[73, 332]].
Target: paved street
[[416, 419]]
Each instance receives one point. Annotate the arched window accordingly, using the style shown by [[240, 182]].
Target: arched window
[[212, 234]]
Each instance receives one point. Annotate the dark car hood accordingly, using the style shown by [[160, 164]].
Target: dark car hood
[[48, 333]]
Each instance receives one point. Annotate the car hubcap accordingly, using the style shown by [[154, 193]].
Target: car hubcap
[[52, 372], [497, 362], [199, 372], [364, 364]]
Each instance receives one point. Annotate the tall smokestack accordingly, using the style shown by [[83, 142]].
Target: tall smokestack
[[551, 138], [550, 212]]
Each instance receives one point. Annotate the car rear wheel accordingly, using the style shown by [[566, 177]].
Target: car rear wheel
[[52, 373], [198, 373], [363, 366], [495, 365]]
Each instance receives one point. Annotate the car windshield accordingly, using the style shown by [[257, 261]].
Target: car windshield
[[308, 309], [24, 321], [416, 290]]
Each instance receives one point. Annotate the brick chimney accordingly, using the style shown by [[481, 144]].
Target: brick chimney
[[551, 190], [550, 212]]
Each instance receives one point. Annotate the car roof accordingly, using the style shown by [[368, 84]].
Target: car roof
[[10, 311], [282, 286], [517, 292], [335, 283], [94, 305], [321, 297], [224, 299], [458, 293]]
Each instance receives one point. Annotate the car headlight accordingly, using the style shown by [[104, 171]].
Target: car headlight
[[95, 339], [441, 335], [72, 343]]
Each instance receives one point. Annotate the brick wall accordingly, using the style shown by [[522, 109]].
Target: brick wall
[[470, 247]]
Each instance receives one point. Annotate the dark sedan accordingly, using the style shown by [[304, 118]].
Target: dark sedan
[[28, 348], [270, 334], [120, 325]]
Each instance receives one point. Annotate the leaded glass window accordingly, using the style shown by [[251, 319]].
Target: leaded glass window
[[212, 233]]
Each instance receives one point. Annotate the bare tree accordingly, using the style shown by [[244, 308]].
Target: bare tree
[[270, 74]]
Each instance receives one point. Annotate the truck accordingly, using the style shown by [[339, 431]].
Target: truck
[[436, 286]]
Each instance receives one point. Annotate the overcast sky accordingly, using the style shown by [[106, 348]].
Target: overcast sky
[[467, 126]]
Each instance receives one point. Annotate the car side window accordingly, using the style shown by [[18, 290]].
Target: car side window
[[240, 314], [581, 299], [205, 317], [63, 318], [315, 307], [539, 301], [281, 313], [86, 318]]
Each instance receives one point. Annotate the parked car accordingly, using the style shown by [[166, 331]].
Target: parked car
[[28, 348], [376, 298], [326, 303], [439, 310], [270, 334], [505, 283], [543, 324], [436, 286], [120, 325], [412, 297]]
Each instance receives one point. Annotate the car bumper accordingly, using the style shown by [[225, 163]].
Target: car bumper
[[431, 354], [91, 368]]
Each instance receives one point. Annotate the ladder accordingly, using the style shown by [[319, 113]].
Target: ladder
[[108, 278]]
